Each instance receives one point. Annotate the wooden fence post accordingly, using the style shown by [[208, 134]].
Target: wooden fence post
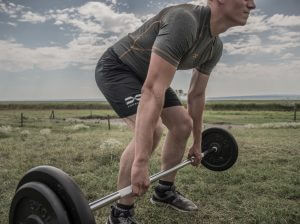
[[22, 119], [52, 116], [295, 112], [108, 121]]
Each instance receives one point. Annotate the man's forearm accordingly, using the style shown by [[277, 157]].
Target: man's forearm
[[148, 113], [196, 106]]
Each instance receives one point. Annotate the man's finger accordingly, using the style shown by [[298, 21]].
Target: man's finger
[[135, 190], [145, 188], [196, 161]]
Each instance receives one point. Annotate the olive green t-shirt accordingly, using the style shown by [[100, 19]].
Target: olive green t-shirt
[[180, 34]]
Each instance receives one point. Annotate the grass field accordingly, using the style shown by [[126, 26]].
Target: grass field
[[237, 105], [40, 118], [262, 187]]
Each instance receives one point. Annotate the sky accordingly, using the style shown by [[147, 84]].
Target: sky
[[49, 49]]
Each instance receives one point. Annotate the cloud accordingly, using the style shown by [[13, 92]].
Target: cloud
[[263, 35], [276, 43], [255, 78], [84, 51], [146, 17], [11, 24], [286, 36], [114, 2], [284, 20], [194, 2], [32, 18], [242, 46], [21, 13], [98, 25], [11, 9], [258, 23], [17, 57], [92, 21], [96, 17], [198, 2], [261, 71], [287, 56]]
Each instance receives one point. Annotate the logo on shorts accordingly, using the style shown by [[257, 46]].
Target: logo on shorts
[[133, 100]]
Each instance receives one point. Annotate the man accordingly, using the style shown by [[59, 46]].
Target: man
[[135, 76]]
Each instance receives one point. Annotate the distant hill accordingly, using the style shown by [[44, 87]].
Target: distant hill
[[101, 99], [257, 97]]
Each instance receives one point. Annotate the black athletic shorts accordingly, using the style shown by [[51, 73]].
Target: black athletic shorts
[[122, 87]]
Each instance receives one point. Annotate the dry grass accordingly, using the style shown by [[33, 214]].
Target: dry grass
[[262, 187]]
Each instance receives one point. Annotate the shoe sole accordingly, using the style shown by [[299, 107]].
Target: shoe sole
[[162, 204]]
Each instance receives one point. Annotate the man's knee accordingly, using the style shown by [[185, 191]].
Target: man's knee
[[183, 127]]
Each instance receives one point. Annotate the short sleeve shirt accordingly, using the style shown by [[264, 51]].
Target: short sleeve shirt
[[179, 34]]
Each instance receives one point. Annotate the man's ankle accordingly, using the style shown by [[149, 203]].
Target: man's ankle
[[124, 207], [166, 183]]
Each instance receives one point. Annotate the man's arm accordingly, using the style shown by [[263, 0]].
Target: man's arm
[[196, 104], [159, 77]]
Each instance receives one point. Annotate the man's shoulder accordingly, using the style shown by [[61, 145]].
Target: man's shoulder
[[187, 16], [184, 11]]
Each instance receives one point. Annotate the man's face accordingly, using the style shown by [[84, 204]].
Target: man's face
[[237, 11]]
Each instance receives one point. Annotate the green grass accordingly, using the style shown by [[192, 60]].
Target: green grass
[[46, 105], [248, 117], [246, 105], [262, 187], [40, 118]]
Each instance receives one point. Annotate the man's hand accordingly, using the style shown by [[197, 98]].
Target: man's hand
[[139, 179], [195, 151]]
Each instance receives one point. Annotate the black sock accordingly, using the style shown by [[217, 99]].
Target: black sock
[[165, 183], [162, 187], [125, 207]]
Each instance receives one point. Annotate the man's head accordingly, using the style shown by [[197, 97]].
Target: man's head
[[235, 12]]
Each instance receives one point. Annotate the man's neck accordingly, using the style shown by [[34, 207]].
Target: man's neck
[[218, 23]]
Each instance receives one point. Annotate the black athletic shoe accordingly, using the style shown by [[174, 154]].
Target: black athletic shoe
[[169, 197], [121, 216]]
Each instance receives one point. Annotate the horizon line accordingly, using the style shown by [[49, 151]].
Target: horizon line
[[102, 99]]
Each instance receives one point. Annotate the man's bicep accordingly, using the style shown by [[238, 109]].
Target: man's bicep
[[176, 35], [160, 73], [198, 84]]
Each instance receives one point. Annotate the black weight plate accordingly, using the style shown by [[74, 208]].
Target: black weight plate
[[66, 189], [227, 149], [35, 203]]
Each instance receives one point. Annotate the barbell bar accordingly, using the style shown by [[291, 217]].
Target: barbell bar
[[95, 205]]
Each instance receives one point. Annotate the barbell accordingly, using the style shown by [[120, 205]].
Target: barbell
[[47, 195]]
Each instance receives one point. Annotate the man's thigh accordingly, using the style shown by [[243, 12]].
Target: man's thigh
[[173, 109], [173, 117], [119, 84]]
